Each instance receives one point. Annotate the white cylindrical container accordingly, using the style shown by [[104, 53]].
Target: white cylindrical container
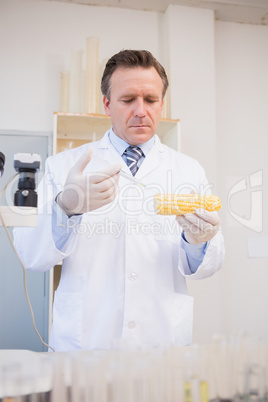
[[92, 75], [64, 91], [76, 81]]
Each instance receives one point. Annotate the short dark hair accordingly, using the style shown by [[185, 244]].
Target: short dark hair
[[131, 59]]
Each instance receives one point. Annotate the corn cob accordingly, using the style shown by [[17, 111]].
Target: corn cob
[[180, 204]]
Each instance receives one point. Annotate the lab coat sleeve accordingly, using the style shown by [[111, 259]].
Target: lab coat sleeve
[[214, 253], [37, 246], [212, 262], [195, 253]]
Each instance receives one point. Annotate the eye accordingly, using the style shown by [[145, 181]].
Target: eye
[[151, 100], [127, 100]]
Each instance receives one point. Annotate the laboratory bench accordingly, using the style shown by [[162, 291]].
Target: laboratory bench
[[226, 370]]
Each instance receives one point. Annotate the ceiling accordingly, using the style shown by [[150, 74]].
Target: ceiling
[[242, 11]]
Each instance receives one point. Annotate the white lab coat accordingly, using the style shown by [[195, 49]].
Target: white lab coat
[[123, 272]]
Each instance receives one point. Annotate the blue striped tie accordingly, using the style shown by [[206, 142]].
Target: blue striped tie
[[133, 154]]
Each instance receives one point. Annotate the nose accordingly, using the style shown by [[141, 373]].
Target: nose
[[140, 109]]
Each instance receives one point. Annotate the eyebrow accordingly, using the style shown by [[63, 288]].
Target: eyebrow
[[134, 96]]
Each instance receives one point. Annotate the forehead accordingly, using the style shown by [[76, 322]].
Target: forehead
[[136, 79]]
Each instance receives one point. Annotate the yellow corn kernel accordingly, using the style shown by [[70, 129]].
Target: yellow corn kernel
[[180, 204]]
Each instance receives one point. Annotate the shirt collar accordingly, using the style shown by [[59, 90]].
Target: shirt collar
[[120, 145]]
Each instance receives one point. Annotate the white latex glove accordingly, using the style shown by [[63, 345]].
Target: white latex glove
[[199, 227], [87, 192]]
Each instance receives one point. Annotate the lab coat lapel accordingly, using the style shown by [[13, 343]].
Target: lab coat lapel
[[152, 160], [106, 151]]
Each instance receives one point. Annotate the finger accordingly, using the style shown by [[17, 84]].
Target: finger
[[104, 197], [188, 227], [183, 222], [82, 162], [112, 172], [203, 225], [107, 195], [103, 189], [104, 185], [208, 216]]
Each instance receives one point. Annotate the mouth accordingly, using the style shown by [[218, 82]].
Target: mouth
[[140, 125]]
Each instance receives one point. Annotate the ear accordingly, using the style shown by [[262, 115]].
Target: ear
[[106, 104], [162, 104]]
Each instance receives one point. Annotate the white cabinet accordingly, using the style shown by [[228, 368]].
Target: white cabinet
[[74, 129]]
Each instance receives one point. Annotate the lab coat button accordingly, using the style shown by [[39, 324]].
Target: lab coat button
[[131, 324], [133, 276]]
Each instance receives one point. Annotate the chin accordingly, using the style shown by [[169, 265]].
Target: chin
[[138, 139], [145, 131]]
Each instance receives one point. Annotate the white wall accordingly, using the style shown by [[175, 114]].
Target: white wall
[[190, 36], [36, 38], [222, 107], [242, 135], [192, 75]]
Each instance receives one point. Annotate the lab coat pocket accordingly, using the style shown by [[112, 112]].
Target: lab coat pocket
[[67, 321], [182, 319]]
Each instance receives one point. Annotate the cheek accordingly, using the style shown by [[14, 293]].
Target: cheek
[[127, 114], [121, 111], [155, 114]]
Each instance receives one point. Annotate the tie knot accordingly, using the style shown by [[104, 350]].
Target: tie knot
[[133, 154]]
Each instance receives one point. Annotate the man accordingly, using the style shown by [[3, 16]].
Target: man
[[124, 267]]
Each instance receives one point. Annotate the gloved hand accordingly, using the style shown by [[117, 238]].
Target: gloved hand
[[87, 192], [199, 227]]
